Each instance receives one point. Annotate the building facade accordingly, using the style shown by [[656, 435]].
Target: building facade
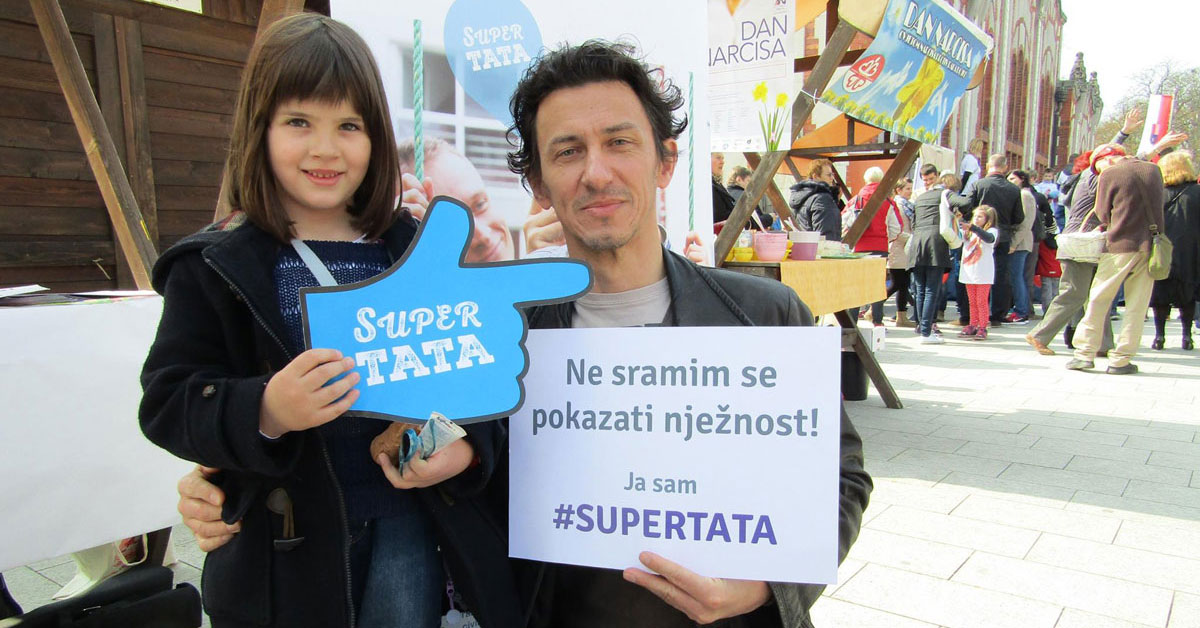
[[1077, 107], [1019, 107]]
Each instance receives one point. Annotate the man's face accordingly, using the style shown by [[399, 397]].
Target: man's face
[[930, 179], [456, 177], [599, 166], [827, 176], [718, 164]]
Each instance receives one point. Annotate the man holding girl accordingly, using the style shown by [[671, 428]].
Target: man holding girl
[[597, 140]]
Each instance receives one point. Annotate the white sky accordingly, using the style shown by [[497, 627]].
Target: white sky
[[1120, 37]]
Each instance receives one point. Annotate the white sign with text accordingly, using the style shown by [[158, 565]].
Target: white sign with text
[[716, 447]]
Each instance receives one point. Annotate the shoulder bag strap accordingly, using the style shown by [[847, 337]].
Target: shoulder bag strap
[[314, 263]]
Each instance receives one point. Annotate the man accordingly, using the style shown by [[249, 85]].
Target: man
[[995, 190], [761, 218], [722, 201], [814, 201], [449, 173], [1129, 198], [597, 142]]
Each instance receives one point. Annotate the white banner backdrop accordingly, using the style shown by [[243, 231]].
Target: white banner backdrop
[[486, 35], [722, 457]]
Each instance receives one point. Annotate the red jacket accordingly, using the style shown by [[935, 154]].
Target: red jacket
[[875, 238]]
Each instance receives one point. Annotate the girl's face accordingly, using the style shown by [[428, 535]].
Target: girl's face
[[980, 219], [319, 154], [906, 192]]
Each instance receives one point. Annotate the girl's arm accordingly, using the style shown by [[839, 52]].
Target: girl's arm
[[199, 401], [987, 236]]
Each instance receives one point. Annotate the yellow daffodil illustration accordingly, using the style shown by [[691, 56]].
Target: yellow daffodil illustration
[[760, 92], [771, 120]]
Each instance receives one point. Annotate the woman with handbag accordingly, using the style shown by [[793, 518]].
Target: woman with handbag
[[929, 249], [1129, 203], [1077, 272], [1182, 226]]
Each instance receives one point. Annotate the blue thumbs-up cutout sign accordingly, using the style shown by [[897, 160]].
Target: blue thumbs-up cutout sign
[[435, 334]]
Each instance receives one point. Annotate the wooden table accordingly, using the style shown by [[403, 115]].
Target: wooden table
[[832, 286]]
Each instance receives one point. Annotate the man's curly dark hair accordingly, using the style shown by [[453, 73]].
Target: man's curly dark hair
[[594, 61]]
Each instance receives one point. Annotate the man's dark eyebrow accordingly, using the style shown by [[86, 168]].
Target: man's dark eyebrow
[[617, 128], [564, 139]]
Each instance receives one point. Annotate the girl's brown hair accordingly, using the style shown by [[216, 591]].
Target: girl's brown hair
[[309, 57]]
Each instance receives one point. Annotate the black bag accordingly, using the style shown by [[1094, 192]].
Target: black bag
[[139, 598]]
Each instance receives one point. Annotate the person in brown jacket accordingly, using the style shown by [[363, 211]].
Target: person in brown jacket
[[1129, 198]]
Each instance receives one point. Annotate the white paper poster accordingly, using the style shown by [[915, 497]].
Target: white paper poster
[[75, 469], [721, 456], [750, 64]]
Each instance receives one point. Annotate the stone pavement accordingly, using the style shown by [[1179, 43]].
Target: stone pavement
[[1009, 491]]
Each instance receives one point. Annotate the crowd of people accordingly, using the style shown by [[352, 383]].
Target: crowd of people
[[987, 236]]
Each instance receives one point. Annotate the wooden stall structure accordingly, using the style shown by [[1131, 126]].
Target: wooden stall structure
[[164, 80]]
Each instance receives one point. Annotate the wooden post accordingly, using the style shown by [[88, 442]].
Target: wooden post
[[108, 88], [835, 47], [97, 143], [781, 207], [902, 162], [272, 10], [139, 162]]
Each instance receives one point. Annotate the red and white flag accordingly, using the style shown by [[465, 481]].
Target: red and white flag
[[1158, 121]]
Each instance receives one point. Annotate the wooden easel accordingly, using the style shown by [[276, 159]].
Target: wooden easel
[[761, 180]]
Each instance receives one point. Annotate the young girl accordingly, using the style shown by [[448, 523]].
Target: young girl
[[326, 538], [978, 270]]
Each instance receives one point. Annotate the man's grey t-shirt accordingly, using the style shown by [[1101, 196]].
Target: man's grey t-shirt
[[639, 307]]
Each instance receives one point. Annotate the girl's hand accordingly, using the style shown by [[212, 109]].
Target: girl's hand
[[418, 473], [301, 396]]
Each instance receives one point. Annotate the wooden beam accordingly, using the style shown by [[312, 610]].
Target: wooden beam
[[899, 166], [168, 16], [108, 84], [139, 162], [272, 10], [825, 151], [791, 166], [802, 108], [97, 143], [781, 206], [806, 64]]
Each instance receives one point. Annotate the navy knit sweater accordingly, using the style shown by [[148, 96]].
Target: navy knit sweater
[[367, 493]]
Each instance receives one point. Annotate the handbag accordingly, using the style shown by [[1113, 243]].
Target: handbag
[[948, 226], [1081, 246], [1161, 248]]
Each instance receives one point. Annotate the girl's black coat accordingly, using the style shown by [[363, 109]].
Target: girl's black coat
[[219, 341]]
